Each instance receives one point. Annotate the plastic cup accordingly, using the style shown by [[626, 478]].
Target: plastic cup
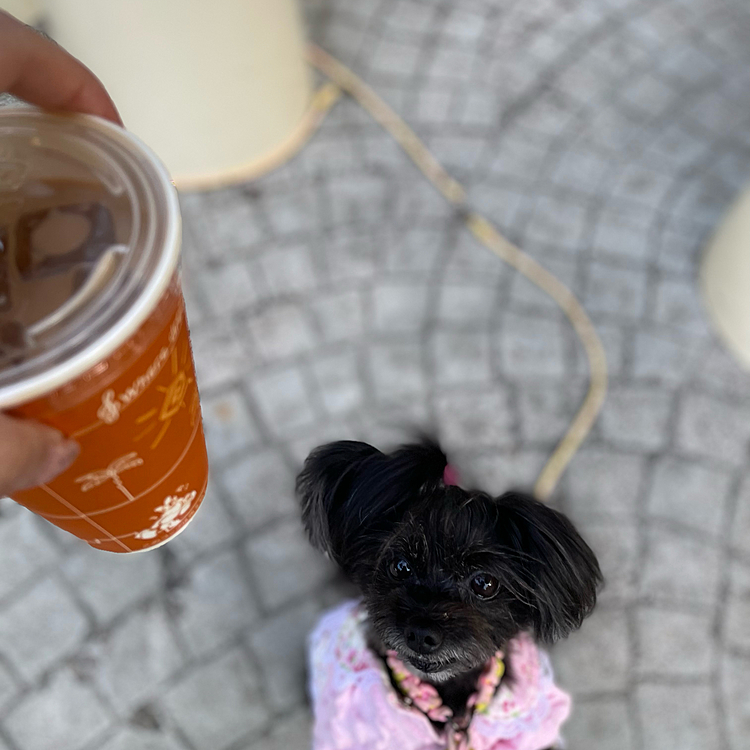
[[110, 365]]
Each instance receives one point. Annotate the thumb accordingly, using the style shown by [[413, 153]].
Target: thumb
[[31, 454]]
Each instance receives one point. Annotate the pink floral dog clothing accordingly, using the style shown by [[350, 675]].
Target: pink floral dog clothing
[[357, 708]]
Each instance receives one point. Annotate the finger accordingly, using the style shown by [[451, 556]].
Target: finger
[[31, 454], [40, 72]]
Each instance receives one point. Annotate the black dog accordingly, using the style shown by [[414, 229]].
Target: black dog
[[448, 576]]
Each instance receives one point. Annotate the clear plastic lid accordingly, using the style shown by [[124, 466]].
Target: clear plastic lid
[[89, 240]]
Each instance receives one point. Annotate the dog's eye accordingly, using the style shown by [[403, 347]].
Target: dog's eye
[[484, 585], [400, 569]]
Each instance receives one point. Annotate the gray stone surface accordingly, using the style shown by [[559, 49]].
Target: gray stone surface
[[340, 297], [219, 703]]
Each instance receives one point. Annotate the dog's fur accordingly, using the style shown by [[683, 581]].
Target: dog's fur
[[367, 510]]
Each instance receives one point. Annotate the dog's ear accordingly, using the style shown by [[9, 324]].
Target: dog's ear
[[352, 494], [556, 572]]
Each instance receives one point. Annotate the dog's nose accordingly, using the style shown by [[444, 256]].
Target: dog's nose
[[423, 640]]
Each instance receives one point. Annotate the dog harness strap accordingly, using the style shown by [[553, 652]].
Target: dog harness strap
[[425, 698]]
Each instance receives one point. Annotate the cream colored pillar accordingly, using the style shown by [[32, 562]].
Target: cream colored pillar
[[26, 11], [725, 279], [216, 87]]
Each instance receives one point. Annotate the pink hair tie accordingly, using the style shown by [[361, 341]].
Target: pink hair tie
[[450, 475]]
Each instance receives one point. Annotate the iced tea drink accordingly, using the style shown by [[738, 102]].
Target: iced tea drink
[[93, 334]]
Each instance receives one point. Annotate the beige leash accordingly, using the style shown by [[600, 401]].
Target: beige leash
[[484, 232]]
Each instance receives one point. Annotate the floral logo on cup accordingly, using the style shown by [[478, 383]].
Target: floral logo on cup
[[171, 513]]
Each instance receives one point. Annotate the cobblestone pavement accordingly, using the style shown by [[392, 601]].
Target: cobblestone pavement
[[338, 297]]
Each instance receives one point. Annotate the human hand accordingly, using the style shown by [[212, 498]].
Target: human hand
[[36, 70]]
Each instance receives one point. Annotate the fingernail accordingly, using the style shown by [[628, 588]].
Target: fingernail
[[60, 457]]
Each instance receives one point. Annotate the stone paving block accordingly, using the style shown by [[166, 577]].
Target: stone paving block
[[414, 249], [63, 715], [134, 660], [281, 330], [649, 94], [325, 154], [141, 739], [737, 612], [613, 338], [679, 569], [213, 603], [531, 347], [418, 200], [502, 205], [475, 418], [713, 428], [678, 305], [338, 315], [689, 493], [643, 185], [673, 644], [433, 103], [228, 424], [595, 658], [661, 358], [526, 293], [283, 399], [111, 584], [547, 407], [470, 262], [219, 356], [451, 64], [466, 303], [558, 223], [740, 533], [496, 472], [395, 58], [615, 291], [24, 550], [623, 230], [358, 199], [735, 688], [409, 17], [636, 417], [326, 432], [284, 564], [616, 547], [459, 153], [210, 528], [399, 306], [480, 109], [219, 703], [521, 156], [229, 288], [280, 647], [261, 487], [289, 212], [602, 724], [352, 255], [230, 221], [678, 717], [288, 270], [603, 482], [290, 733], [461, 357], [40, 628], [580, 169], [339, 381], [8, 687], [396, 369]]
